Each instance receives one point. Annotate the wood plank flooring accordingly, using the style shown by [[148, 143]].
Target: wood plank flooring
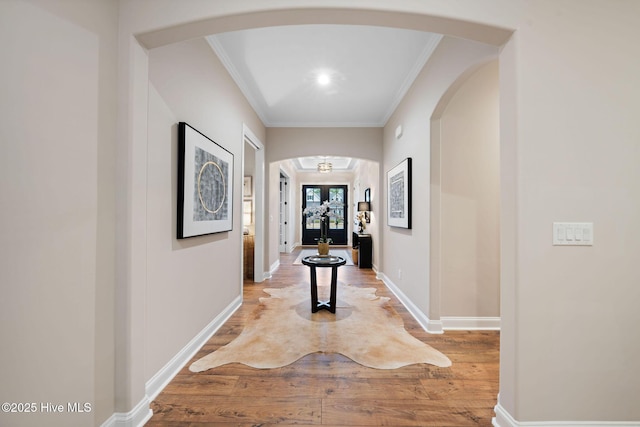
[[330, 389]]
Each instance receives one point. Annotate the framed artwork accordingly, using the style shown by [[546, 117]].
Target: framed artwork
[[205, 185], [248, 188], [367, 195], [399, 195]]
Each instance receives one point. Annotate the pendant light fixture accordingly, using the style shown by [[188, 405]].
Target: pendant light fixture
[[325, 166]]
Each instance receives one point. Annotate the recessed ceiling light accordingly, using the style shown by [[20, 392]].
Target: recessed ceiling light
[[324, 79]]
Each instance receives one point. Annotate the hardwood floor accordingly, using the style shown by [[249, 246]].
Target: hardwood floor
[[330, 389]]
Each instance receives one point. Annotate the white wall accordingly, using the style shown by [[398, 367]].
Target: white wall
[[470, 198], [569, 136], [189, 281], [57, 181], [359, 143], [406, 253]]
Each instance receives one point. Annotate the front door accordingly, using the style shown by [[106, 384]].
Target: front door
[[314, 195]]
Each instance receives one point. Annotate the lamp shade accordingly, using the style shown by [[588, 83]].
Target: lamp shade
[[363, 207]]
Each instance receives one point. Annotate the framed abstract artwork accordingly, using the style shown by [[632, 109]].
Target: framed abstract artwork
[[399, 195], [205, 185]]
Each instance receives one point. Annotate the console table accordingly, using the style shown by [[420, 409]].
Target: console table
[[365, 249], [323, 261]]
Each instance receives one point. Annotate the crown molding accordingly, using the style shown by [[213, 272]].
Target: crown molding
[[221, 53], [413, 74]]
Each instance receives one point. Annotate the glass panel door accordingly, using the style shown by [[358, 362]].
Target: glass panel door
[[314, 196]]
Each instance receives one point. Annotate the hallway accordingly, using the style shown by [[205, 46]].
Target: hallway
[[330, 389]]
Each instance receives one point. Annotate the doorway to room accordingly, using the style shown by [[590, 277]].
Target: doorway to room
[[284, 240], [314, 195], [253, 199]]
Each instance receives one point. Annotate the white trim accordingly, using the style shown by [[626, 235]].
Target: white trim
[[504, 419], [160, 380], [413, 75], [259, 201], [221, 53], [452, 323], [445, 323], [431, 326], [274, 267], [137, 417]]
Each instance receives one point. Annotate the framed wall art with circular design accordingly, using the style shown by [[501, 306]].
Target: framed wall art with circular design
[[205, 185]]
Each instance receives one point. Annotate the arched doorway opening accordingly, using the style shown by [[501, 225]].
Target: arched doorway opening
[[133, 115], [363, 174]]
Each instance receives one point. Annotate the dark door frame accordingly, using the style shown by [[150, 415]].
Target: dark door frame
[[339, 236]]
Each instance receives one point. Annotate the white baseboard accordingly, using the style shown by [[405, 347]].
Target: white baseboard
[[272, 269], [137, 417], [504, 419], [470, 323], [269, 274], [445, 323], [431, 326], [160, 380]]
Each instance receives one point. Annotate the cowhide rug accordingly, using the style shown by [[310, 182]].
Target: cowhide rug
[[282, 329]]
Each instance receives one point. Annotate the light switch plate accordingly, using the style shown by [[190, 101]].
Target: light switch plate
[[573, 234]]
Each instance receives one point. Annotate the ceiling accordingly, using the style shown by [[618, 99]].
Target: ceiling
[[369, 70], [310, 164]]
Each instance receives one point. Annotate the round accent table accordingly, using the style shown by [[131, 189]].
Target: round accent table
[[323, 261]]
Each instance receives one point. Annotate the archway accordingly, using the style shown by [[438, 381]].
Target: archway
[[134, 136], [464, 280], [364, 175]]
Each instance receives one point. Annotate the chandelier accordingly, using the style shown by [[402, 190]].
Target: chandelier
[[324, 166]]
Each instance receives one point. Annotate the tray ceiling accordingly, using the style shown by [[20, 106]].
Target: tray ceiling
[[366, 71]]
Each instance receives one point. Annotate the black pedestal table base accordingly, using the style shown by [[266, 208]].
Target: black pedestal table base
[[323, 261]]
